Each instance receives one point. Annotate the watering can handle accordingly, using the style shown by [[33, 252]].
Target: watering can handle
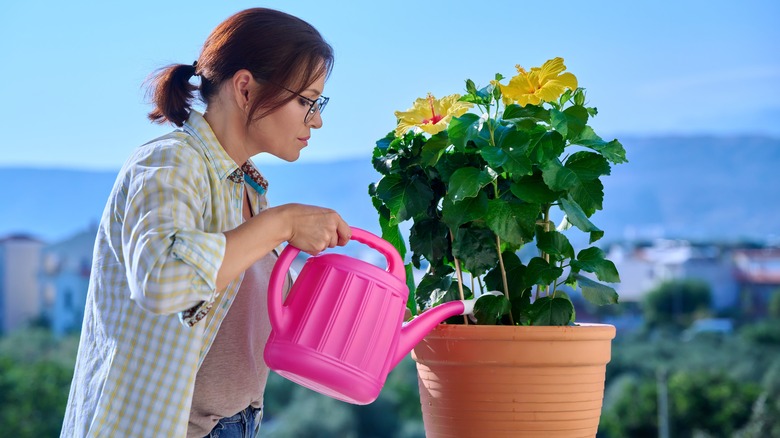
[[395, 266], [275, 284]]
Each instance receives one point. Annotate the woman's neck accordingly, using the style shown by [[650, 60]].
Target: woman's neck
[[229, 127]]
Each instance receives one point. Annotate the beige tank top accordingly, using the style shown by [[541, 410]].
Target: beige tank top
[[233, 373]]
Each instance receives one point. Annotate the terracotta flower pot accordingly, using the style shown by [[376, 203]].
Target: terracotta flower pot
[[499, 381]]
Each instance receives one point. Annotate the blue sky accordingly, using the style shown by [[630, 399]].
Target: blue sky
[[73, 71]]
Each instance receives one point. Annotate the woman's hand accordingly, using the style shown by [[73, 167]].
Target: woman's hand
[[309, 228], [313, 229]]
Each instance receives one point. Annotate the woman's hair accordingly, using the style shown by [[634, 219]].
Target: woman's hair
[[277, 48]]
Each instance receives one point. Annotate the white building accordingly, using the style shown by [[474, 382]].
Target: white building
[[20, 299], [645, 267]]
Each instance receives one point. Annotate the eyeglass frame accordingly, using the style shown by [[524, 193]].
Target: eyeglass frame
[[314, 103]]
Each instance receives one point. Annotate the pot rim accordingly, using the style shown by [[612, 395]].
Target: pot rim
[[580, 331]]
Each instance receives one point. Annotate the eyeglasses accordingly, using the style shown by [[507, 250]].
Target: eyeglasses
[[316, 104]]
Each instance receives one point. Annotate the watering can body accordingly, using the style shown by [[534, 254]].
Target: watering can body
[[340, 329]]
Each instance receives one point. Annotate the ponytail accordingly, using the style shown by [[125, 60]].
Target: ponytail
[[172, 93]]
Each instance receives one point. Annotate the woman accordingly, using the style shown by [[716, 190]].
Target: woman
[[175, 320]]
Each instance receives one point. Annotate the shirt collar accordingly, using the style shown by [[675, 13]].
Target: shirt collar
[[197, 126]]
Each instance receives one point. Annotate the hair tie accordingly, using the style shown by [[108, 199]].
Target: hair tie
[[195, 68]]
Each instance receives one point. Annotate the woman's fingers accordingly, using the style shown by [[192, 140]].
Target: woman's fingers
[[344, 233], [315, 229]]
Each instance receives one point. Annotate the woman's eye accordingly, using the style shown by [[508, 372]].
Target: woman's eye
[[304, 102]]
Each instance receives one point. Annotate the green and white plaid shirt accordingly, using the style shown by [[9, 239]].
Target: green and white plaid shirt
[[152, 308]]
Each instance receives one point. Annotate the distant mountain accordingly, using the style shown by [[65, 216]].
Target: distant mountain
[[695, 188], [723, 188]]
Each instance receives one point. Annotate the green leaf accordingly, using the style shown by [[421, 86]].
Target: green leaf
[[449, 163], [490, 309], [515, 145], [531, 188], [404, 197], [577, 217], [462, 129], [385, 164], [580, 178], [521, 305], [596, 293], [555, 244], [433, 149], [434, 290], [455, 214], [392, 234], [467, 182], [411, 303], [541, 272], [576, 120], [545, 145], [552, 311], [515, 274], [592, 260], [477, 139], [557, 177], [495, 156], [429, 238], [612, 151], [513, 222], [383, 143], [515, 113], [588, 165], [558, 122], [589, 195], [475, 247]]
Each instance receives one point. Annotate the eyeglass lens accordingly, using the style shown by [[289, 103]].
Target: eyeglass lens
[[316, 105]]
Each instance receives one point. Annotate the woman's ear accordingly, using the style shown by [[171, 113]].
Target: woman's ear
[[243, 85]]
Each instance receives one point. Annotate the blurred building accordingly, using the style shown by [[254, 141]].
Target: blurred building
[[64, 277], [757, 272], [644, 267], [20, 299]]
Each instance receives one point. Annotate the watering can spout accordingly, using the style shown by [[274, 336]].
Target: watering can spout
[[413, 331]]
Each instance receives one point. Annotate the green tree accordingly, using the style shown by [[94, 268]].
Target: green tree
[[699, 401], [774, 305], [631, 410], [311, 415], [711, 402], [763, 333], [36, 369], [293, 411], [765, 417], [676, 303]]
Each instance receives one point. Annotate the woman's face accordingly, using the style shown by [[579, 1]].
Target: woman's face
[[284, 133]]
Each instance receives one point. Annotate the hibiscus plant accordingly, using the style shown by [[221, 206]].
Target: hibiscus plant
[[478, 176]]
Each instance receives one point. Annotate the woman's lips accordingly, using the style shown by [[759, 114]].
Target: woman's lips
[[304, 140]]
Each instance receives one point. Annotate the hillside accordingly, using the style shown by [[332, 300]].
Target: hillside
[[688, 187]]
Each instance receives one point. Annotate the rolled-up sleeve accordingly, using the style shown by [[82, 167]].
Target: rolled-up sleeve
[[171, 259]]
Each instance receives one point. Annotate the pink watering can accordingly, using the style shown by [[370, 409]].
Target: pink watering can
[[340, 330]]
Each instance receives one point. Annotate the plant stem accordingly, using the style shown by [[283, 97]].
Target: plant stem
[[544, 255], [460, 279], [503, 277]]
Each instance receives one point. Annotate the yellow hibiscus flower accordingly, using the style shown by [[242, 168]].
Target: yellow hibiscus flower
[[430, 114], [546, 83]]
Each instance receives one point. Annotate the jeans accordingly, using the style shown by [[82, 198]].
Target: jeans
[[245, 424]]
